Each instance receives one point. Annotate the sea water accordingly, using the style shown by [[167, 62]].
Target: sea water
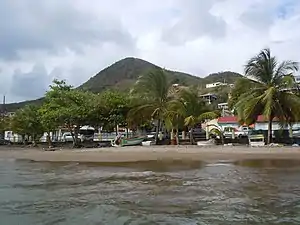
[[261, 192]]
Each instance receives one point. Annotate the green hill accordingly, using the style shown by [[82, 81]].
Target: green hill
[[124, 73]]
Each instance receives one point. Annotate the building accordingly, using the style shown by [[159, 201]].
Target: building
[[209, 97], [261, 123], [10, 114], [216, 84], [297, 79], [223, 106]]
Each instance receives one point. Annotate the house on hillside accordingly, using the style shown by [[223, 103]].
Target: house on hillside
[[223, 107], [209, 97], [297, 79], [216, 84]]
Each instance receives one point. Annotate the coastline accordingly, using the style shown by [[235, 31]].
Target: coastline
[[140, 153]]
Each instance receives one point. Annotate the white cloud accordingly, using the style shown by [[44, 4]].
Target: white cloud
[[74, 39]]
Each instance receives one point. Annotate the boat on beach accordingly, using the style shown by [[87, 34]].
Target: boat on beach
[[132, 141], [119, 141], [256, 140]]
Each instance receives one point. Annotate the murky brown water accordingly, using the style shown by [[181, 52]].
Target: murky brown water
[[262, 192]]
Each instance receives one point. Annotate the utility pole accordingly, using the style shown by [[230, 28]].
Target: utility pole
[[3, 110]]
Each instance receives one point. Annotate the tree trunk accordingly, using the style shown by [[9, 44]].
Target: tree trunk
[[49, 140], [222, 138], [191, 136], [117, 129], [183, 135], [23, 139], [176, 137], [157, 131], [270, 136], [172, 137], [76, 131], [127, 134]]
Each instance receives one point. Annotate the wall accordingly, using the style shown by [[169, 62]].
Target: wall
[[235, 125], [275, 126]]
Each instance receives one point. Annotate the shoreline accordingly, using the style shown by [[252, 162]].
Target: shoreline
[[151, 153]]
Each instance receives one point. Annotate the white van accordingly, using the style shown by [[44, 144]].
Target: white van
[[12, 137]]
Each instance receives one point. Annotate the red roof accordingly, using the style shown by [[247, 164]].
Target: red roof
[[228, 119], [233, 119]]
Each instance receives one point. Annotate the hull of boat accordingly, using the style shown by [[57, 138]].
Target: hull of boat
[[257, 140], [132, 141]]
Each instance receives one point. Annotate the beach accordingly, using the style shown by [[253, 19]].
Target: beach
[[140, 153]]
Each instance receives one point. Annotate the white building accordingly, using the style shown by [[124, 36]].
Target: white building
[[223, 106], [297, 79], [209, 98], [217, 84]]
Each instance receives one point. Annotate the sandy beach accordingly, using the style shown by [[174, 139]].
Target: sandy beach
[[131, 154]]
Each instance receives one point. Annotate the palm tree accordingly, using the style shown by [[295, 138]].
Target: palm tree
[[193, 109], [267, 91], [154, 89]]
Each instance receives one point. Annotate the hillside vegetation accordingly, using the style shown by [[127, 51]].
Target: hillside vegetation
[[124, 73]]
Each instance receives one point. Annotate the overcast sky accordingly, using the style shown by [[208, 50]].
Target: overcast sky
[[74, 39]]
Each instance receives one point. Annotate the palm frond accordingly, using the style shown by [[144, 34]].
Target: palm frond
[[190, 121], [208, 116]]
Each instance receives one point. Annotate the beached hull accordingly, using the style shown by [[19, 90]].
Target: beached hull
[[132, 141], [256, 140]]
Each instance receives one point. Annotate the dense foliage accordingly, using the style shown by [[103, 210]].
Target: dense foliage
[[267, 89]]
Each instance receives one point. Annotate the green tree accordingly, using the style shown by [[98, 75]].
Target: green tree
[[4, 124], [26, 122], [266, 90], [154, 89], [115, 107], [68, 107], [50, 120]]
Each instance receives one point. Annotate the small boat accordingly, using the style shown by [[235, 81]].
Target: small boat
[[148, 143], [256, 140], [209, 142], [132, 141]]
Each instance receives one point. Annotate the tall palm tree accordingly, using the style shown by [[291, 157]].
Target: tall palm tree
[[267, 91], [193, 110], [154, 89]]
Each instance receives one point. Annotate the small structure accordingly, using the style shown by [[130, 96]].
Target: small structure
[[261, 123], [209, 97], [9, 114], [223, 106], [216, 84], [297, 79], [228, 121], [225, 109]]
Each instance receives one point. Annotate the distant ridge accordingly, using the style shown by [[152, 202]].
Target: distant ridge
[[123, 74]]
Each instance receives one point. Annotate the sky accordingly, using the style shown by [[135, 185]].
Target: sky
[[75, 39]]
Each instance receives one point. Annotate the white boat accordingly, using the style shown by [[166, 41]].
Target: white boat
[[210, 142], [148, 143], [256, 140]]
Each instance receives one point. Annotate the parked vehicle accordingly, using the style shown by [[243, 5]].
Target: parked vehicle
[[3, 141], [256, 140], [12, 137], [67, 137], [86, 133], [229, 132]]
